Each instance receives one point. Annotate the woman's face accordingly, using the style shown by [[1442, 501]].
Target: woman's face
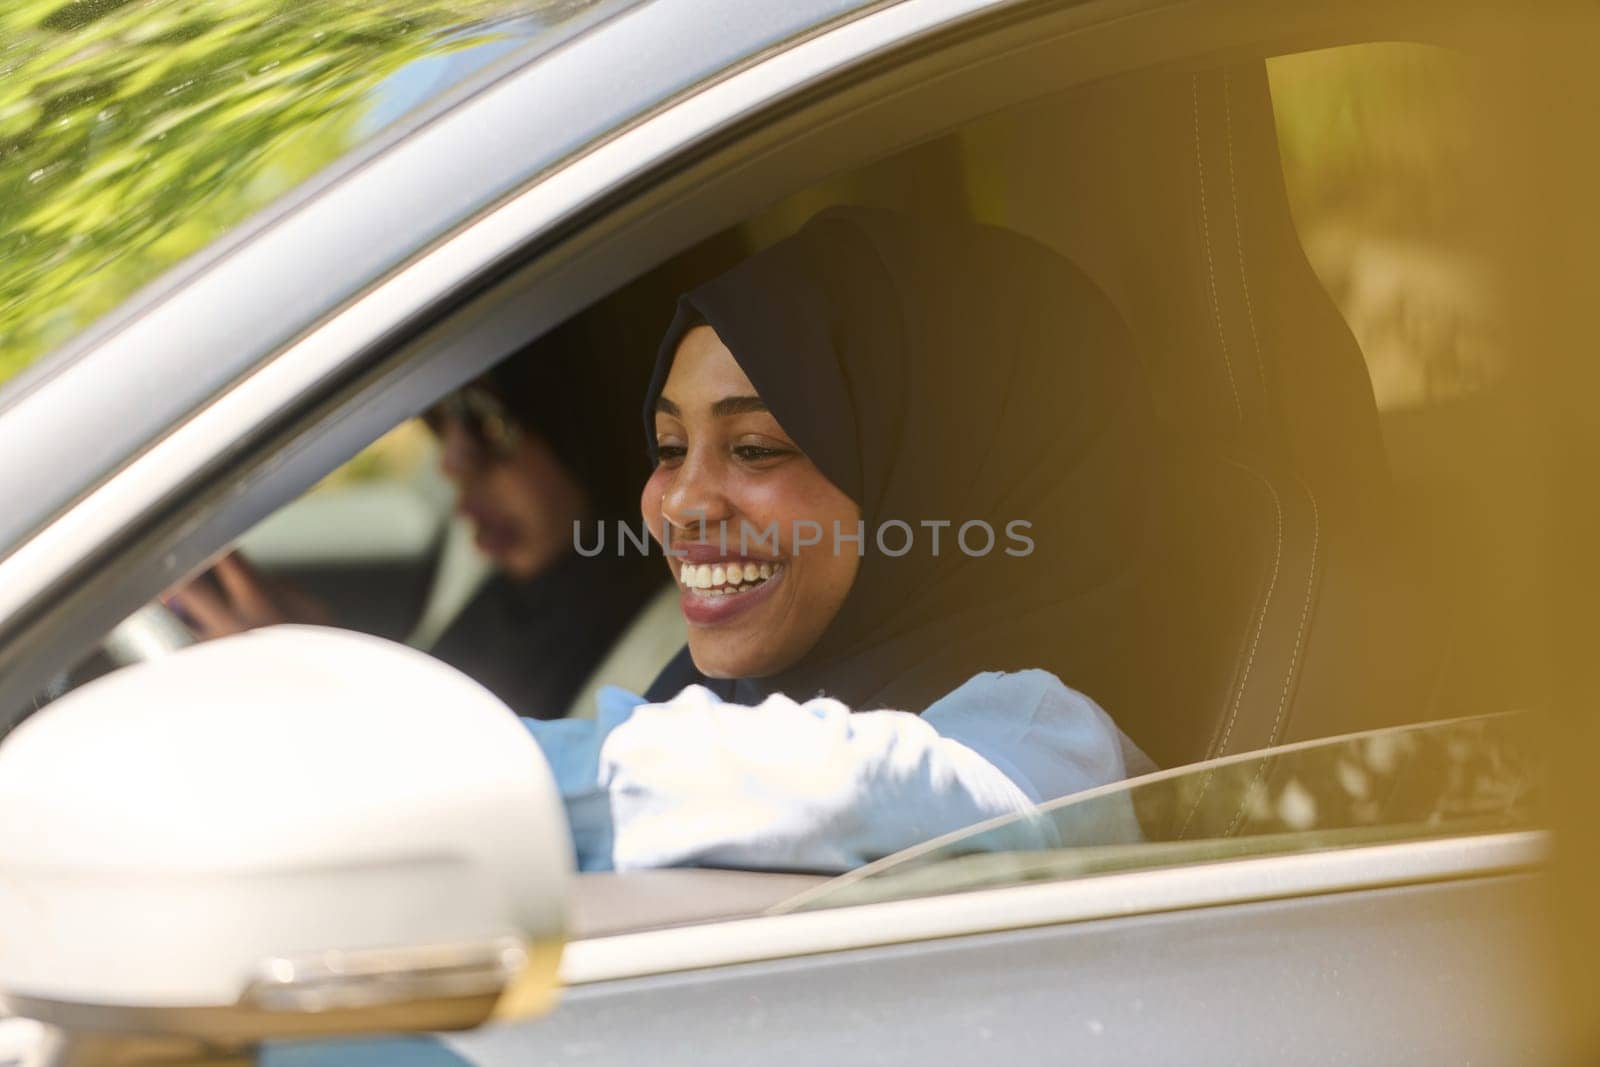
[[519, 498], [725, 464]]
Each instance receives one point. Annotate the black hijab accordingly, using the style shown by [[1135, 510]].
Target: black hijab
[[946, 373]]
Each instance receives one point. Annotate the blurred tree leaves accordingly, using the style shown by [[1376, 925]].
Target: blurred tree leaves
[[134, 132]]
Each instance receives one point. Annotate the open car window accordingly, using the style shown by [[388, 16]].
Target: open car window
[[1469, 776]]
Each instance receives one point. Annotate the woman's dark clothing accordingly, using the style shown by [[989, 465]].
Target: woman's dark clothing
[[535, 643], [946, 374]]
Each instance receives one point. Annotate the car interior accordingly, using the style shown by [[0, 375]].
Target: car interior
[[1321, 565], [1306, 608]]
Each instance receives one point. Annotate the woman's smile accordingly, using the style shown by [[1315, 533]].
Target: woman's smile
[[713, 593]]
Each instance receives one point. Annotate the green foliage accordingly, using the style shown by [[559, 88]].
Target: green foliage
[[134, 132]]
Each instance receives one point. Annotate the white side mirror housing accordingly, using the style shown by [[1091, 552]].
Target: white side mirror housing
[[292, 831]]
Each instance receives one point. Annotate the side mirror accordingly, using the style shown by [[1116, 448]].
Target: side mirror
[[295, 831]]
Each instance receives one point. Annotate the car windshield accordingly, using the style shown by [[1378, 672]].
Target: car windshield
[[1466, 776], [132, 135]]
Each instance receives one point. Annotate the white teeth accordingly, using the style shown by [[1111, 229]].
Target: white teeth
[[721, 579]]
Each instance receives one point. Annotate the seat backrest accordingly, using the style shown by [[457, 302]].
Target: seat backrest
[[1281, 606]]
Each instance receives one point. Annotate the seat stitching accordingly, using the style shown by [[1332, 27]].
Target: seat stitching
[[1255, 641], [1305, 610], [1205, 229], [1238, 234], [1294, 659], [1266, 603]]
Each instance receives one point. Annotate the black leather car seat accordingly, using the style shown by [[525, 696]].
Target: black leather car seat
[[1283, 605]]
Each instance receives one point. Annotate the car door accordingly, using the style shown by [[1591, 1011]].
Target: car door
[[1291, 923]]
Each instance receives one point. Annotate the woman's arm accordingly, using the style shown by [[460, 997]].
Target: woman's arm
[[813, 786]]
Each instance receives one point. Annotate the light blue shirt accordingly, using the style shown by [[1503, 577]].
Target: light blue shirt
[[812, 786]]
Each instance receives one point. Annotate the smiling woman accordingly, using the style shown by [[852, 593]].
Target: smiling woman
[[904, 375], [827, 384], [724, 461]]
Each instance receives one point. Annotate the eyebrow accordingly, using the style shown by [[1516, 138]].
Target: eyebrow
[[738, 405], [728, 405]]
